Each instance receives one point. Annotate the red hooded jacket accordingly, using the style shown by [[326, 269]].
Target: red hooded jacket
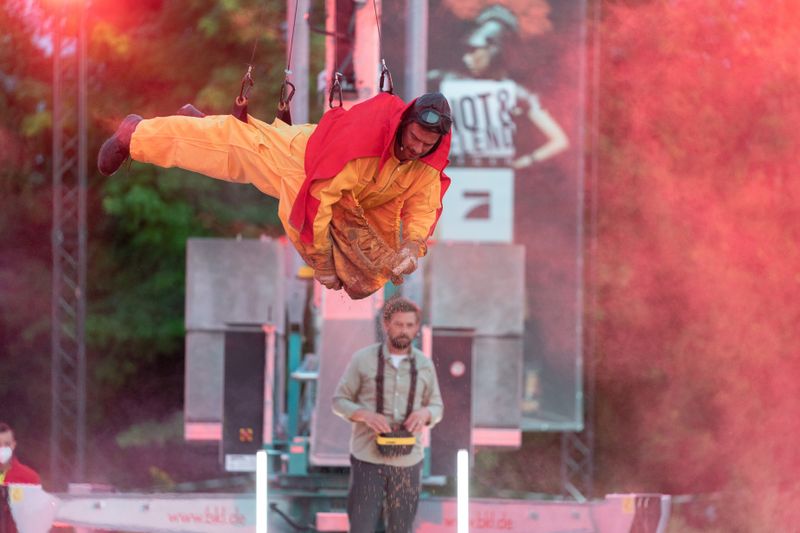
[[367, 129], [19, 473]]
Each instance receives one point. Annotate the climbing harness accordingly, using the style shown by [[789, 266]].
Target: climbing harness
[[336, 79], [385, 73], [288, 88], [240, 103]]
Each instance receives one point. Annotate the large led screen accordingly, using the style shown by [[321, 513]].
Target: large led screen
[[514, 74]]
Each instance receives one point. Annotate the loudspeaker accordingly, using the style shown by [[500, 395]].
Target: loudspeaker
[[243, 396], [228, 281], [452, 357]]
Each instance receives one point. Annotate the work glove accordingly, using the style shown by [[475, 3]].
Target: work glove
[[407, 258], [328, 279]]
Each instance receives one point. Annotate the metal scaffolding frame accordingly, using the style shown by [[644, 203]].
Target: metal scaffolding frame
[[577, 448], [68, 370], [577, 465]]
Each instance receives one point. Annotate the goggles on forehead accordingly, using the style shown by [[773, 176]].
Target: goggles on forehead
[[432, 118]]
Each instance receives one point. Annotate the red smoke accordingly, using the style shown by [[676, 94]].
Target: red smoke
[[698, 255]]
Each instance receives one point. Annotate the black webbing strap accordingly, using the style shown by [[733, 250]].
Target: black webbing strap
[[413, 389], [6, 520], [379, 383]]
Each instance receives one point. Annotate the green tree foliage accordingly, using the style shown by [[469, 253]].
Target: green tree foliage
[[24, 228], [149, 57]]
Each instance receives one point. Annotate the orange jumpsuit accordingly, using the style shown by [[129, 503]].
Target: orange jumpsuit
[[401, 197]]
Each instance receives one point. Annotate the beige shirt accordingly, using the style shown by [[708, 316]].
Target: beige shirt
[[357, 390]]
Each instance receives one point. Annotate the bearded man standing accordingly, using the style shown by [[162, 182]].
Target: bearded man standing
[[389, 392]]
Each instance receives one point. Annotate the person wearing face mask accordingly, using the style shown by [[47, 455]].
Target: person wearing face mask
[[358, 194], [389, 392], [11, 471]]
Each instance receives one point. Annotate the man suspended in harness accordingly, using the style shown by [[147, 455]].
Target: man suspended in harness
[[359, 194]]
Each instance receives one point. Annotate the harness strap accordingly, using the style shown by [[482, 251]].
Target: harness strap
[[413, 389], [379, 383]]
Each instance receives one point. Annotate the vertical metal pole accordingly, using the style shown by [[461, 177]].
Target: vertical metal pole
[[298, 35], [591, 342], [330, 47], [577, 449], [416, 68], [80, 460], [57, 239]]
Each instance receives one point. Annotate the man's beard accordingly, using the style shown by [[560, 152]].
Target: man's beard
[[400, 342]]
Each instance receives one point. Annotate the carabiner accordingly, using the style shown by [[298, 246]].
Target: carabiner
[[286, 99], [337, 87], [385, 74], [247, 84]]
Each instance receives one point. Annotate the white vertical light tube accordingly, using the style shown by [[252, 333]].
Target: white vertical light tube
[[462, 509], [262, 503]]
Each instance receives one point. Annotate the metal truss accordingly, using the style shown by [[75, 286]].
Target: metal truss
[[68, 371], [577, 464], [577, 449]]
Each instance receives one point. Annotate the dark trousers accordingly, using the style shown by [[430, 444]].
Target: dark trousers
[[6, 521], [394, 489]]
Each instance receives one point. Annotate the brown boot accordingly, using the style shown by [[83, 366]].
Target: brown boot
[[116, 149]]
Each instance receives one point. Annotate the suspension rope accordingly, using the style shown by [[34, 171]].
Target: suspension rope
[[378, 25], [255, 45], [336, 76], [240, 102], [291, 40], [385, 74], [287, 87]]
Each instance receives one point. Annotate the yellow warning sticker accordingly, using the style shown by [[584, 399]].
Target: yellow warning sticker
[[17, 494], [629, 505]]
